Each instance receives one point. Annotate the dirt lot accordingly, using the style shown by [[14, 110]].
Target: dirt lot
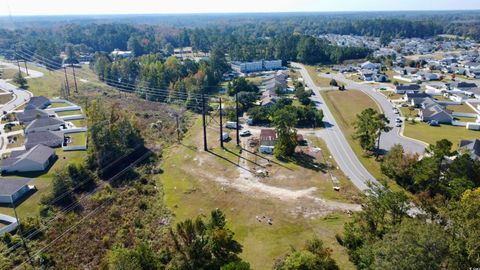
[[298, 200]]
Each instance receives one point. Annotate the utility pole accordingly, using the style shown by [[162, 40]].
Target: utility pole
[[178, 127], [75, 79], [205, 147], [221, 122], [18, 65], [237, 115], [66, 81], [19, 226], [26, 68]]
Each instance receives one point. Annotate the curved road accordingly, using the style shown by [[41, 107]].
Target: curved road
[[336, 141], [392, 137], [20, 96]]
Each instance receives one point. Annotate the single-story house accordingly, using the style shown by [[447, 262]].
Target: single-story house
[[367, 75], [268, 101], [472, 146], [48, 138], [39, 102], [381, 78], [28, 116], [436, 113], [38, 158], [462, 86], [371, 66], [473, 92], [44, 124], [407, 88], [268, 137], [13, 189]]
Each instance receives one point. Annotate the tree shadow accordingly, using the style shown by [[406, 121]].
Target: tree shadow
[[308, 162], [229, 161], [267, 159]]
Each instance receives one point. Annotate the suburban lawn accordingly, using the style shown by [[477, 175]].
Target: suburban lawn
[[465, 119], [345, 105], [191, 188], [18, 141], [58, 105], [67, 113], [79, 138], [461, 108], [30, 207], [408, 113], [9, 73], [429, 134], [79, 123]]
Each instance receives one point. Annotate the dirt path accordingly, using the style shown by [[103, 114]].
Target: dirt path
[[250, 183]]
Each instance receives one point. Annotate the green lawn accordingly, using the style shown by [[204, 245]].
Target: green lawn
[[42, 180], [408, 113], [58, 105], [79, 138], [9, 73], [355, 101], [461, 108], [392, 95], [428, 134], [19, 141], [319, 81], [465, 119], [79, 123], [66, 113]]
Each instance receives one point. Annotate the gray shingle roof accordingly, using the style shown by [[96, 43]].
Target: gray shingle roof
[[8, 186], [48, 138], [30, 115], [44, 122], [472, 146], [39, 153], [39, 102]]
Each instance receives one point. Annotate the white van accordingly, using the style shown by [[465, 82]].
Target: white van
[[265, 149], [231, 125]]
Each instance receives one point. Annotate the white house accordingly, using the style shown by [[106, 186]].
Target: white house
[[13, 189], [38, 158]]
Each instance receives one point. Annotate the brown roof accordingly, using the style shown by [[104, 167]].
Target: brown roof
[[268, 135]]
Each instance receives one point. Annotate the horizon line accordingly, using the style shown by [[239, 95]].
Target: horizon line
[[239, 13]]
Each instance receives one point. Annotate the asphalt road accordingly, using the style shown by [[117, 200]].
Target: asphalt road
[[20, 96], [336, 141], [392, 137]]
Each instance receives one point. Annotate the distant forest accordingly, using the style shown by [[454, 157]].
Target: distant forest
[[284, 36]]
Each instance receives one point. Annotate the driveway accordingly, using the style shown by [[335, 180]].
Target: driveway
[[336, 141], [394, 136]]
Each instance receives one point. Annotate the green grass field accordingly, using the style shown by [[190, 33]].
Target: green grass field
[[319, 81], [407, 112], [58, 105], [428, 134], [356, 102]]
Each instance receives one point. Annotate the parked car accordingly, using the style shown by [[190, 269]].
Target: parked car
[[231, 125], [225, 136], [404, 105], [398, 124], [245, 133], [396, 111], [398, 120]]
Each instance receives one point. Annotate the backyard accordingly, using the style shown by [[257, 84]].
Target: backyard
[[68, 113], [429, 134]]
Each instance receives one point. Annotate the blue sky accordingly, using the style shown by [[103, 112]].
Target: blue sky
[[59, 7]]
